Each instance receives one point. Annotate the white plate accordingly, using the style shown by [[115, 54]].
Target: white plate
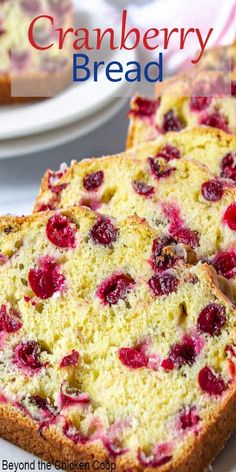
[[80, 100], [226, 462], [55, 137]]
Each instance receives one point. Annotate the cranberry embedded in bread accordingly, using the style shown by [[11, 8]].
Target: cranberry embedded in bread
[[94, 334]]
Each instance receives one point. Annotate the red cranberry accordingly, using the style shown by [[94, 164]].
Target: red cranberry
[[232, 368], [3, 259], [158, 245], [210, 382], [143, 189], [133, 358], [144, 107], [43, 405], [9, 320], [27, 355], [104, 232], [40, 402], [187, 236], [92, 182], [113, 447], [115, 288], [172, 213], [167, 364], [163, 284], [215, 120], [188, 418], [168, 153], [225, 263], [158, 170], [171, 122], [3, 399], [61, 232], [230, 216], [71, 433], [41, 283], [228, 166], [70, 396], [212, 190], [211, 319], [199, 103], [46, 280], [45, 207], [70, 360], [183, 353], [53, 178], [162, 261], [233, 88]]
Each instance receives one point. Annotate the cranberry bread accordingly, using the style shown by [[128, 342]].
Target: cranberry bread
[[25, 72], [206, 99], [181, 198], [85, 335]]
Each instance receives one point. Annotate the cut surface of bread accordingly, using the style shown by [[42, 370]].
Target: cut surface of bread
[[105, 357], [25, 72], [206, 99], [211, 146], [180, 197]]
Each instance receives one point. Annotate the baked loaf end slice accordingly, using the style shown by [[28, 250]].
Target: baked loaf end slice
[[180, 197], [26, 73], [205, 98], [101, 357]]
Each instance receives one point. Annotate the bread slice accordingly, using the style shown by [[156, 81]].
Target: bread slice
[[205, 98], [181, 198], [211, 146], [102, 358], [217, 59], [220, 58], [26, 73]]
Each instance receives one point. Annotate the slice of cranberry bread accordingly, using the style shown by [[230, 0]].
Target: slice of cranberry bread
[[180, 197], [206, 99], [221, 58], [24, 71], [91, 344], [211, 146]]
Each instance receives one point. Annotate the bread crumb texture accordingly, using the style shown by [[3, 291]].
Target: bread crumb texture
[[176, 195], [99, 344]]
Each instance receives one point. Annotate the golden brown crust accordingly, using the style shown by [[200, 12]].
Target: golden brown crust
[[47, 85]]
